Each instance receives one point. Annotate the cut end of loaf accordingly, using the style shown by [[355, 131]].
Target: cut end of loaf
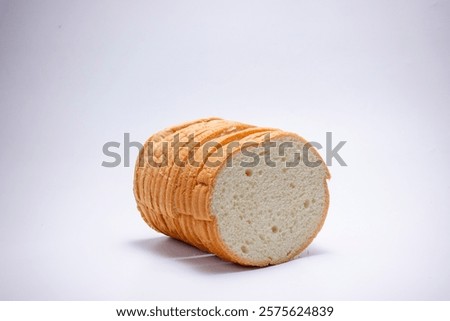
[[268, 212]]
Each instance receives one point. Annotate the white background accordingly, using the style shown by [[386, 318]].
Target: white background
[[77, 74]]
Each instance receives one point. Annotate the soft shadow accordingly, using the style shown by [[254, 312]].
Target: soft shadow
[[186, 254], [311, 250], [173, 249]]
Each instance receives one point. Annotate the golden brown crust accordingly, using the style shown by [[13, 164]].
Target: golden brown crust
[[144, 178], [177, 200]]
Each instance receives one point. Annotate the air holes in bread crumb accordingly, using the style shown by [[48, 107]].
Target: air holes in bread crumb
[[244, 249], [306, 204]]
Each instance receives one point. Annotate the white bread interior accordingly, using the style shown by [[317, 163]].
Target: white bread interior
[[267, 215]]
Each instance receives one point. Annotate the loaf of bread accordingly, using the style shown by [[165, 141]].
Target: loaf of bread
[[251, 195]]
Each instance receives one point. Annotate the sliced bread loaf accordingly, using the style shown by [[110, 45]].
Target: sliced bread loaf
[[251, 195]]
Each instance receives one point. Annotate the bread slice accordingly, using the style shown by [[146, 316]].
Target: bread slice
[[241, 200]]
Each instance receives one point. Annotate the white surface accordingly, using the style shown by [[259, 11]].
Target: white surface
[[77, 74]]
